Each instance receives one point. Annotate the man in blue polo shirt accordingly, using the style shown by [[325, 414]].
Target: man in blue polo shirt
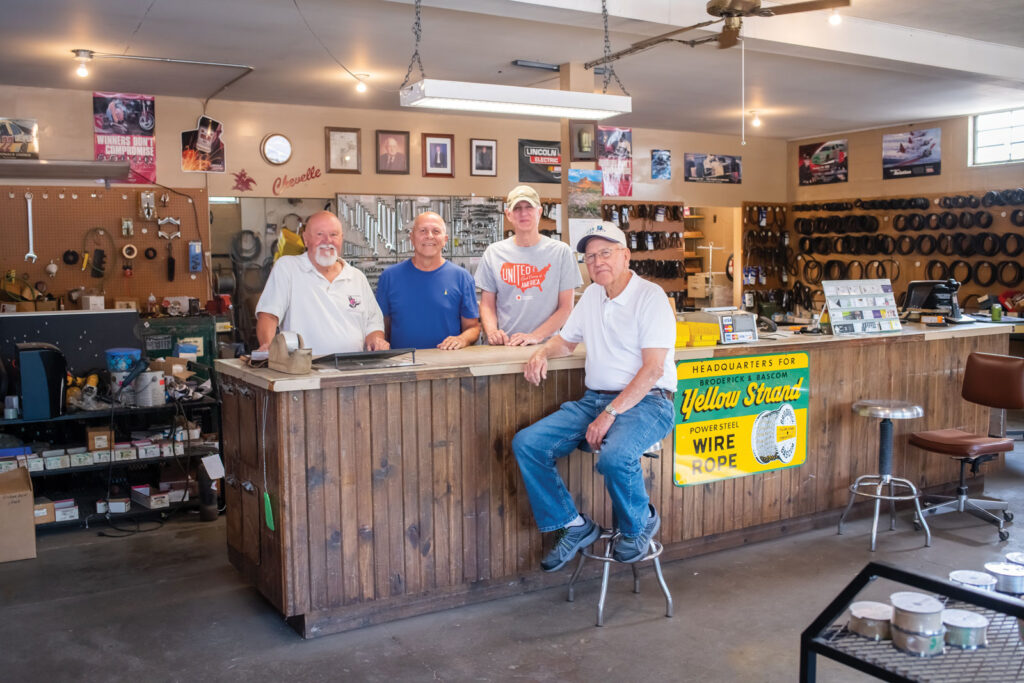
[[428, 302]]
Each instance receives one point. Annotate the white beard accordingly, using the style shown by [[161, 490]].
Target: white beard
[[326, 256]]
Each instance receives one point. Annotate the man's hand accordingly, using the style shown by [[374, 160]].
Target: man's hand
[[375, 341], [264, 347], [537, 367], [452, 343], [524, 339], [597, 429], [497, 338]]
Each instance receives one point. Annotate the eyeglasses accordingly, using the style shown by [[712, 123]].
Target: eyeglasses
[[603, 254]]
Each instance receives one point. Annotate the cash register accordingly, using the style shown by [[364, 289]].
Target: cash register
[[933, 297], [734, 326]]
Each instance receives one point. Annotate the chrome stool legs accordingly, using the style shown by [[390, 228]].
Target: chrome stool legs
[[609, 537]]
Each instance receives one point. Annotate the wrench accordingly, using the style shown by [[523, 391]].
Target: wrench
[[31, 255]]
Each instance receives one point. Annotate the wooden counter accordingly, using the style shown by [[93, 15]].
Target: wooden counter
[[395, 492]]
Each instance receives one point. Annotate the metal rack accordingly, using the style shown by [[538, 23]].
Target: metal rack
[[1002, 660]]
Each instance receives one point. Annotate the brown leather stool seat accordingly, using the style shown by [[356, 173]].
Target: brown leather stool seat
[[990, 380]]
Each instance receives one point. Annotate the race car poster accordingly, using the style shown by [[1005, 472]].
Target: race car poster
[[123, 127], [912, 154], [824, 162], [615, 159], [202, 149], [19, 139], [540, 161], [740, 415], [712, 168]]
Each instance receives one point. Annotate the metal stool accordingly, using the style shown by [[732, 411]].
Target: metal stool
[[888, 411], [610, 536]]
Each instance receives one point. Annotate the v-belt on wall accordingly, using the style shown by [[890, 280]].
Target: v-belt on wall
[[740, 415]]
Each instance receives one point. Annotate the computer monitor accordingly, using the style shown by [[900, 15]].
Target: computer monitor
[[918, 294]]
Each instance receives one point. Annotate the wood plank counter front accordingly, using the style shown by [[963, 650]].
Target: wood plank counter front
[[395, 492]]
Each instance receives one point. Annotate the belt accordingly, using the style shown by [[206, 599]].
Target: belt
[[653, 392]]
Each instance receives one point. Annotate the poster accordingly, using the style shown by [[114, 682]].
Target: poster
[[913, 154], [584, 193], [661, 164], [540, 161], [123, 127], [615, 159], [202, 149], [19, 138], [824, 162], [712, 168], [740, 415]]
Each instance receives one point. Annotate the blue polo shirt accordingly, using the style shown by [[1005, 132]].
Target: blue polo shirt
[[425, 306]]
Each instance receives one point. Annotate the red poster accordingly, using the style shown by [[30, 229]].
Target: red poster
[[615, 159], [123, 127]]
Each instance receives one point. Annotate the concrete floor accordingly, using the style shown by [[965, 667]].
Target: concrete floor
[[166, 606]]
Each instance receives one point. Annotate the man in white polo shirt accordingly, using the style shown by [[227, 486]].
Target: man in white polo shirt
[[629, 330], [318, 295]]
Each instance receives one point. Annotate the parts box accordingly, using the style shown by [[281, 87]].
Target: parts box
[[65, 510], [100, 438], [147, 497], [17, 516], [43, 512]]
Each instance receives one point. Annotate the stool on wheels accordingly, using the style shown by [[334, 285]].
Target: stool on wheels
[[610, 536], [888, 411]]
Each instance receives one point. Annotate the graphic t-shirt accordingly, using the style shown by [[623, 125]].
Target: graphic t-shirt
[[425, 306], [526, 280]]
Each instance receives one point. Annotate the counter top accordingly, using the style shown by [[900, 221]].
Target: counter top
[[483, 360]]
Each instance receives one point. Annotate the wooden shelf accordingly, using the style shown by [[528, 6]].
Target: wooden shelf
[[693, 235]]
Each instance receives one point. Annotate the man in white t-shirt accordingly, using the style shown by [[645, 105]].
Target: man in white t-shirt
[[526, 280], [629, 330], [318, 295]]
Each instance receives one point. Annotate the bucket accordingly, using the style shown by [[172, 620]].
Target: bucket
[[122, 359], [149, 389]]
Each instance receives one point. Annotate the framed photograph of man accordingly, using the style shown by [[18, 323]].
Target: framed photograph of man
[[393, 151], [581, 141], [437, 155], [343, 150], [483, 157]]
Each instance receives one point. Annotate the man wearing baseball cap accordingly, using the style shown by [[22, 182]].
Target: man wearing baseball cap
[[629, 329], [527, 280]]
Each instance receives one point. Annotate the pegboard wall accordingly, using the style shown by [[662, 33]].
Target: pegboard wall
[[64, 218]]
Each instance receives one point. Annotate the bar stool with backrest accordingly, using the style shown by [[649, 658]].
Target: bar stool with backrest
[[990, 380], [883, 486], [610, 536]]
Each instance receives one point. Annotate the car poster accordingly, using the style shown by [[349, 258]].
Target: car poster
[[912, 154], [712, 168], [824, 162], [19, 138], [123, 127], [540, 161], [202, 149], [615, 159]]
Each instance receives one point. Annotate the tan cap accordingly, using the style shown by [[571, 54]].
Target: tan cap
[[606, 230], [522, 193]]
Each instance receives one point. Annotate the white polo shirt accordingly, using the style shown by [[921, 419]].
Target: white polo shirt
[[332, 317], [616, 330]]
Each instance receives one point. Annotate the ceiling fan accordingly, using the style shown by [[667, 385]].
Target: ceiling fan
[[731, 12]]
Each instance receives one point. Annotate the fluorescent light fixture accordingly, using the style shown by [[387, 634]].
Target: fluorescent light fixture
[[430, 93]]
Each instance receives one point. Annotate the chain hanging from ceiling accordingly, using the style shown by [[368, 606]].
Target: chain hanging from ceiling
[[417, 31], [609, 67]]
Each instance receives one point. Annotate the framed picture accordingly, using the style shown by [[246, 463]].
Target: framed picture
[[343, 150], [582, 136], [483, 157], [393, 151], [437, 155]]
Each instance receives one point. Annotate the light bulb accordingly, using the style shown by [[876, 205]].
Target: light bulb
[[835, 18], [360, 87], [756, 123], [82, 70]]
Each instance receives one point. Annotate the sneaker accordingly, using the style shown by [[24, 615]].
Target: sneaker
[[568, 541], [629, 550]]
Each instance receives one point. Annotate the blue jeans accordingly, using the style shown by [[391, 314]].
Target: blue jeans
[[539, 446]]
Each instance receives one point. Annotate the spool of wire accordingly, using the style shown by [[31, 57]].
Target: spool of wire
[[773, 436]]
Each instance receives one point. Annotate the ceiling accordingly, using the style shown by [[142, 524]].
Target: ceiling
[[888, 63]]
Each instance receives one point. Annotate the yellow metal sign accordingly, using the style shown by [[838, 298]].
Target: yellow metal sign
[[740, 415]]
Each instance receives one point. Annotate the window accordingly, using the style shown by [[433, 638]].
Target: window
[[997, 138]]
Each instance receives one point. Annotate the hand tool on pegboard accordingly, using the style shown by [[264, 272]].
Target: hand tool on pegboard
[[170, 237], [31, 255]]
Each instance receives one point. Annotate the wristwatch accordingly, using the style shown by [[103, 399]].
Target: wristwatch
[[611, 411]]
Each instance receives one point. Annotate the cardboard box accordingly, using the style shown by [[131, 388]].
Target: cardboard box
[[57, 462], [76, 450], [119, 505], [173, 366], [146, 449], [126, 304], [43, 513], [52, 453], [81, 459], [8, 464], [145, 496], [100, 456], [46, 305], [31, 462], [17, 520], [124, 451], [92, 302], [65, 510], [100, 438]]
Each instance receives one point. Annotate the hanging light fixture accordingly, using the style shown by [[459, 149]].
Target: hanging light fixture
[[83, 57], [835, 18], [756, 121], [361, 82], [429, 93]]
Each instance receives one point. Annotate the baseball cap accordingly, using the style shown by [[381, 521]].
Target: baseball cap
[[606, 230], [521, 193]]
